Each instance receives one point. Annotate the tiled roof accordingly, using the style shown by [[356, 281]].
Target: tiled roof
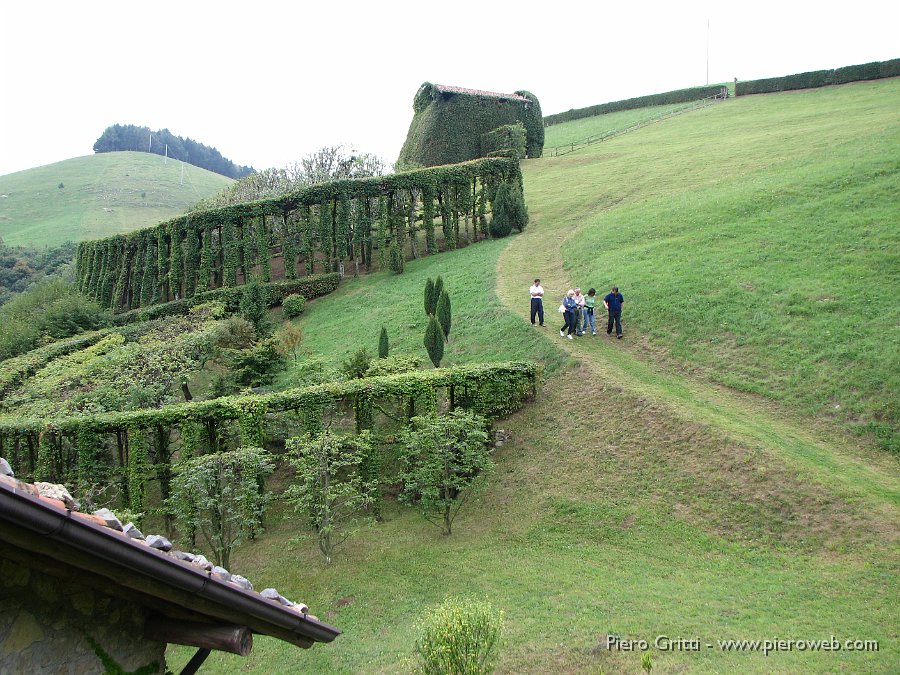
[[477, 92], [30, 511]]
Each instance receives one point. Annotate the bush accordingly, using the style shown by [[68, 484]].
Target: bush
[[254, 304], [356, 366], [443, 314], [258, 365], [383, 344], [434, 341], [820, 78], [501, 221], [393, 365], [293, 306], [460, 636]]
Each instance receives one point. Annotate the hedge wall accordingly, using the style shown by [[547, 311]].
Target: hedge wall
[[317, 228], [448, 125], [820, 78], [129, 449], [677, 96]]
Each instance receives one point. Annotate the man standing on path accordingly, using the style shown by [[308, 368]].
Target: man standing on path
[[613, 303], [537, 302]]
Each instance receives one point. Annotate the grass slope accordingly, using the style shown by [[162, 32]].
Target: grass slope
[[103, 194], [638, 496]]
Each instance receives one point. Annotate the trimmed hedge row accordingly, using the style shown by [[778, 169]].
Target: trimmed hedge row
[[820, 78], [677, 96], [318, 226], [309, 287], [128, 449]]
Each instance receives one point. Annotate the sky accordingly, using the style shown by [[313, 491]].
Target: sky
[[267, 83]]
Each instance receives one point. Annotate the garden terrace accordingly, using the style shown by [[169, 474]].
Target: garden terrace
[[136, 444], [315, 229]]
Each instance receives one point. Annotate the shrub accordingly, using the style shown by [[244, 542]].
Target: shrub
[[393, 365], [356, 366], [293, 306], [254, 306], [258, 365], [430, 298], [518, 211], [434, 341], [396, 262], [460, 636]]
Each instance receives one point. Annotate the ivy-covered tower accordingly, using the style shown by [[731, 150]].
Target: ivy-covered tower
[[448, 124]]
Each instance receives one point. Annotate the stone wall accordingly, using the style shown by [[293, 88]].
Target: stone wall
[[47, 625]]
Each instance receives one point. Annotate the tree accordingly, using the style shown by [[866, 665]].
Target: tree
[[288, 339], [396, 261], [222, 497], [383, 346], [430, 298], [356, 366], [254, 308], [330, 487], [438, 287], [443, 314], [444, 461], [434, 341], [518, 211]]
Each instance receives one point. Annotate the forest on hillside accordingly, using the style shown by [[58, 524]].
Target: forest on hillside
[[120, 137]]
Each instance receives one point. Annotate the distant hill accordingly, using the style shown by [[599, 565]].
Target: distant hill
[[98, 195], [128, 137]]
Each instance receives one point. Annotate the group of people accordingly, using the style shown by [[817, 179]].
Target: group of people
[[578, 310]]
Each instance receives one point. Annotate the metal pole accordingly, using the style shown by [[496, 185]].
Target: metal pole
[[707, 52]]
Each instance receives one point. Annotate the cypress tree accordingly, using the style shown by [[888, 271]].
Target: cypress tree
[[501, 218], [518, 211], [438, 287], [434, 341], [383, 346], [443, 314], [430, 297]]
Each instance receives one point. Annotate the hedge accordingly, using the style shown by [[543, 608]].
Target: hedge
[[134, 446], [448, 124], [320, 226], [310, 287], [820, 78], [677, 96]]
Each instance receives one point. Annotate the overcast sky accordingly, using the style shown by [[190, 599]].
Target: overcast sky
[[269, 82]]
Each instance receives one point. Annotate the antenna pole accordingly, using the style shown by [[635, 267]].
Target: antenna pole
[[707, 52]]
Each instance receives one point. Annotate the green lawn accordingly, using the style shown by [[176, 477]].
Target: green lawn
[[102, 194]]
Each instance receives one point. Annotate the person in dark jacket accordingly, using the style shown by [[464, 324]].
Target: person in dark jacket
[[569, 304], [613, 302]]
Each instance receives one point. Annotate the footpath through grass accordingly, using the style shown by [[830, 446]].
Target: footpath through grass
[[637, 496]]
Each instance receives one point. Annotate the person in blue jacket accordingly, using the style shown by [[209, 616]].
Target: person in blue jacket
[[569, 304], [613, 302]]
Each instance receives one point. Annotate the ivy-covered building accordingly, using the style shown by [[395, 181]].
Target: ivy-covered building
[[449, 124]]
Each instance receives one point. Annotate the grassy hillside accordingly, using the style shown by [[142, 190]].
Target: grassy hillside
[[101, 195], [693, 480]]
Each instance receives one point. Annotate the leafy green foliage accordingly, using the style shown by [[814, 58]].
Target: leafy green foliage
[[501, 222], [534, 126], [445, 459], [430, 298], [461, 636], [331, 488], [22, 267], [258, 365], [397, 258], [222, 497], [820, 78], [393, 365], [434, 341], [383, 345], [293, 305]]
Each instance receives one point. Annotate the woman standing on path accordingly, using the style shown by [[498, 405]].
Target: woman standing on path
[[579, 313], [589, 301], [569, 304]]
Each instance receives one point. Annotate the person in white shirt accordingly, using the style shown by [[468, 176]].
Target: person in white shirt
[[537, 301]]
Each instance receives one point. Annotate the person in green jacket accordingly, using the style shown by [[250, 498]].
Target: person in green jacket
[[589, 301]]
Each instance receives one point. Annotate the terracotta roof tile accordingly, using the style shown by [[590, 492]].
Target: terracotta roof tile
[[477, 92]]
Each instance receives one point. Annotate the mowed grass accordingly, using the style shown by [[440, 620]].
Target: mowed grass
[[758, 241], [577, 131], [102, 195]]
